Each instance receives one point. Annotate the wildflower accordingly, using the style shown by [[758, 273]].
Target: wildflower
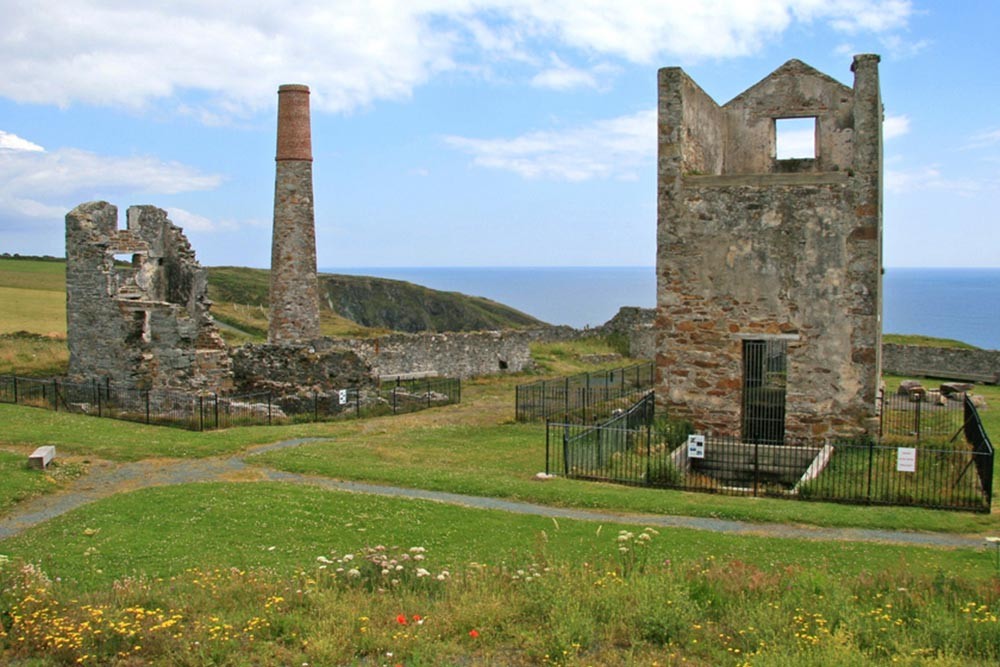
[[421, 572], [418, 619], [324, 560], [474, 633], [401, 619], [353, 573]]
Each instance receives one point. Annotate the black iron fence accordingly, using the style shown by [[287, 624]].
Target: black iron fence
[[585, 397], [955, 473], [920, 416], [200, 412]]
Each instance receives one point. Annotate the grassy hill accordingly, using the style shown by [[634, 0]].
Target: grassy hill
[[376, 303]]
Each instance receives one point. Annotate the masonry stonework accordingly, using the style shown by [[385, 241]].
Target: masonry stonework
[[753, 251], [294, 296], [144, 319]]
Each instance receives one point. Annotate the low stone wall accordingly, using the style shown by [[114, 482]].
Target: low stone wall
[[458, 355], [320, 366], [942, 362]]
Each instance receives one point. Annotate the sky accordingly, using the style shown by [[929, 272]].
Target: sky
[[464, 132]]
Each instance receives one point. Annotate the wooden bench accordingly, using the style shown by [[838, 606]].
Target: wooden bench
[[42, 457]]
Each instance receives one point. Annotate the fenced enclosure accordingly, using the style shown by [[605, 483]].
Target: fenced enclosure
[[919, 416], [201, 412], [952, 472], [584, 397]]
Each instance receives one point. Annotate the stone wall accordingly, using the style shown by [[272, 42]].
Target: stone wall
[[145, 323], [460, 355], [320, 366], [752, 249], [941, 362]]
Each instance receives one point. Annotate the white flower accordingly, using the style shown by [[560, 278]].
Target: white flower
[[353, 573], [418, 557], [325, 560], [385, 572], [417, 550], [348, 557], [441, 577], [398, 568], [421, 572]]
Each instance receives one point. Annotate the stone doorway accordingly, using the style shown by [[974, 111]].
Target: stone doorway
[[765, 373]]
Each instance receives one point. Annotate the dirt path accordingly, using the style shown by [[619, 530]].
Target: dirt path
[[106, 479]]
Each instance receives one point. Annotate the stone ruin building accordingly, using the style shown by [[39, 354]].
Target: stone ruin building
[[769, 270], [136, 304]]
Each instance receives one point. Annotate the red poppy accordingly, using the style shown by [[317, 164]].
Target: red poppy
[[401, 619], [473, 633], [416, 617]]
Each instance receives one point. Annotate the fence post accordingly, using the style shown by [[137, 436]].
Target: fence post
[[97, 389], [871, 461], [567, 399], [201, 412], [147, 406], [586, 398], [315, 406], [565, 444], [916, 418], [428, 392], [15, 390], [649, 451], [394, 397], [55, 395], [517, 417], [546, 446], [215, 397], [881, 414], [268, 408], [756, 466], [357, 402]]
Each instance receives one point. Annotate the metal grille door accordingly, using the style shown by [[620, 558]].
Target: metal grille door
[[765, 370]]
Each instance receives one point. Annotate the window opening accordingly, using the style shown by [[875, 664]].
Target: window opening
[[795, 138]]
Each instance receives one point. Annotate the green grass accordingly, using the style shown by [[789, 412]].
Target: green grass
[[34, 274], [229, 575], [926, 341], [33, 354], [33, 310], [19, 482], [161, 532]]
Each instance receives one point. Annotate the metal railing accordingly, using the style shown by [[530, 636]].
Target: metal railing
[[585, 397], [938, 473], [209, 411]]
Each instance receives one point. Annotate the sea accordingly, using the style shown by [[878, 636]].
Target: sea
[[962, 304]]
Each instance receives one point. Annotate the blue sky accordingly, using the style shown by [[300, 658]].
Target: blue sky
[[464, 132]]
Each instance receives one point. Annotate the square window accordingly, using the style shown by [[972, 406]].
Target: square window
[[795, 138]]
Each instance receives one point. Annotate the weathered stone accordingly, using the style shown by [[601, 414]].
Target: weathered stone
[[146, 323], [955, 388], [753, 248], [907, 387], [294, 295]]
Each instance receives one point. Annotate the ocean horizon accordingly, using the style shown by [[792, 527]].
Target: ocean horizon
[[961, 304]]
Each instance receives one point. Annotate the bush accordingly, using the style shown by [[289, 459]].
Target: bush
[[664, 473]]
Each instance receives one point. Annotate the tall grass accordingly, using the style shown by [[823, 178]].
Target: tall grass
[[395, 605]]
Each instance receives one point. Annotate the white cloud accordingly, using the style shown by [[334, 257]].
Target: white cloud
[[216, 60], [932, 178], [895, 126], [562, 76], [42, 184], [12, 142], [984, 139], [612, 148]]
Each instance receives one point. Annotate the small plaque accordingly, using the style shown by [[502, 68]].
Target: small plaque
[[696, 446], [906, 459], [342, 396]]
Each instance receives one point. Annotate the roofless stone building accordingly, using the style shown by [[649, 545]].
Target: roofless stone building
[[769, 269]]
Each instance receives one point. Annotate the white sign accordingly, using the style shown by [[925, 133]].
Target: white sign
[[696, 446], [342, 395], [906, 459]]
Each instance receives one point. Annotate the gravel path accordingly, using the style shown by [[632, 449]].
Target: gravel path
[[107, 479]]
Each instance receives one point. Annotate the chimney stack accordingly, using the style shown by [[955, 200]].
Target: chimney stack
[[294, 284]]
